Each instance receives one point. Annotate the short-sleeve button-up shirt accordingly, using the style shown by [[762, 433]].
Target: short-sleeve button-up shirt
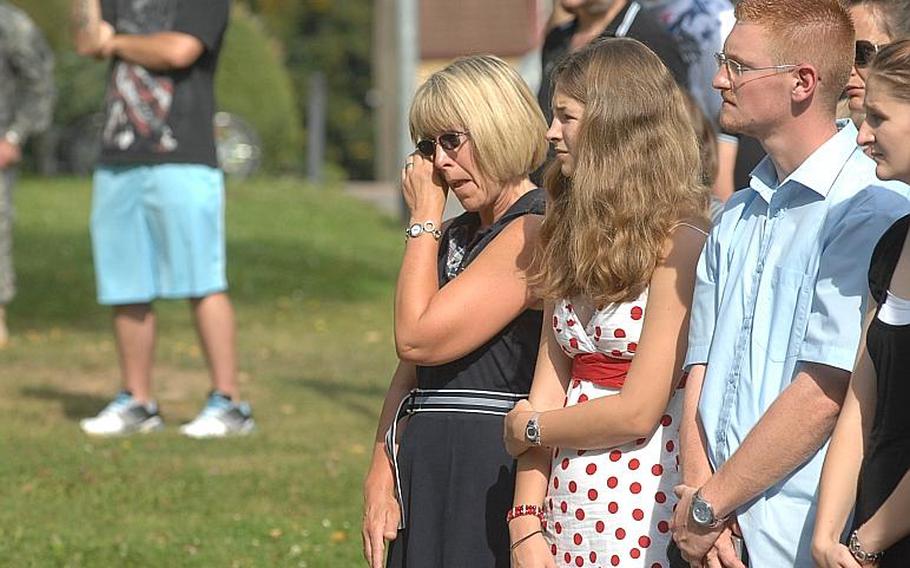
[[782, 280]]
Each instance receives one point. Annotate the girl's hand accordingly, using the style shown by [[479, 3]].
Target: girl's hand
[[834, 555], [514, 428], [533, 553]]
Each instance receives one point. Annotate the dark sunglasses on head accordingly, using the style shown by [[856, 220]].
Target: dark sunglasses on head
[[447, 140], [865, 52]]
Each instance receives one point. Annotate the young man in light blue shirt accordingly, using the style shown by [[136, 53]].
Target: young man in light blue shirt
[[779, 301]]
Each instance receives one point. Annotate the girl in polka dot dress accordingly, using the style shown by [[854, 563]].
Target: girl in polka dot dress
[[598, 439]]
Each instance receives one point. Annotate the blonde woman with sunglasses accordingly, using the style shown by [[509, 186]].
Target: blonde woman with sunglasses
[[467, 326]]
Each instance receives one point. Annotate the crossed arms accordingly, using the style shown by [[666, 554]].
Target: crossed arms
[[160, 51]]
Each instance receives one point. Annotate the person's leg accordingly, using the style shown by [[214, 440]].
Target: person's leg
[[223, 414], [125, 274], [134, 332], [214, 318], [188, 225], [7, 276]]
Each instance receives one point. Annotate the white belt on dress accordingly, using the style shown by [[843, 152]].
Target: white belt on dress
[[465, 401]]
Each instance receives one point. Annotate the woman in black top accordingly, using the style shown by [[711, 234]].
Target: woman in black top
[[467, 328], [869, 457]]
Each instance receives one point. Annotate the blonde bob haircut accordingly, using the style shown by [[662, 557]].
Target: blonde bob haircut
[[486, 97], [637, 174], [891, 67], [817, 32]]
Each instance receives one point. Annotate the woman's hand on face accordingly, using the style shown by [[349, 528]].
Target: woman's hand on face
[[533, 553], [423, 189], [514, 428], [381, 516]]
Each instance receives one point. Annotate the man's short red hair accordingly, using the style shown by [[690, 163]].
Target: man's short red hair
[[817, 32]]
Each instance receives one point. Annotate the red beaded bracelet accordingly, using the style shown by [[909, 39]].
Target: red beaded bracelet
[[522, 510]]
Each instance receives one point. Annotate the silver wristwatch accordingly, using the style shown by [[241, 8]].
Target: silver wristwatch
[[701, 513], [532, 430], [417, 229]]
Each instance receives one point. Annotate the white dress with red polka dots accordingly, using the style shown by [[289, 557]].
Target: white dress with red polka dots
[[612, 507]]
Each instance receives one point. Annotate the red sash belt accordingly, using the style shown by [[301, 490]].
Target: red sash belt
[[600, 369]]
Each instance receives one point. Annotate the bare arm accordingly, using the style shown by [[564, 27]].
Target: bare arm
[[89, 31], [635, 411], [434, 325], [793, 428], [837, 489], [381, 512], [162, 51], [548, 391], [696, 469]]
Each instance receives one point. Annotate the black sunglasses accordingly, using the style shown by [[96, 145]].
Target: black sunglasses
[[447, 140], [865, 52]]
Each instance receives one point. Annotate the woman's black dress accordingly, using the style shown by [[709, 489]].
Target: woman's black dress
[[457, 479], [887, 454]]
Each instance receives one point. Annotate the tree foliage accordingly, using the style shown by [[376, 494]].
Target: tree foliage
[[334, 38], [253, 83]]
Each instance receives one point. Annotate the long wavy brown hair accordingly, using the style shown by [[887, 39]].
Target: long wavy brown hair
[[637, 174]]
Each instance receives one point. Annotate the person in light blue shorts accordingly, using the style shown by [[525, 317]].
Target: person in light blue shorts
[[158, 232], [157, 221]]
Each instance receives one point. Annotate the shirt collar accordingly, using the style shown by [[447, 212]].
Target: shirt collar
[[818, 172]]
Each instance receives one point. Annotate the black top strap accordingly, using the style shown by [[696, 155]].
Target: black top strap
[[463, 240]]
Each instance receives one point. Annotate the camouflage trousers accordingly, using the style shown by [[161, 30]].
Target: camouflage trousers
[[7, 275]]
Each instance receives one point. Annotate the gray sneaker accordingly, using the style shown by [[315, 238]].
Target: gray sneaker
[[123, 416], [221, 417]]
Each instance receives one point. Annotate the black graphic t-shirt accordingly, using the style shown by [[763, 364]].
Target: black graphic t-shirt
[[155, 117]]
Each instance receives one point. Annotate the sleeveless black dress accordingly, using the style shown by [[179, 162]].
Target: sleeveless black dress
[[887, 454], [457, 478]]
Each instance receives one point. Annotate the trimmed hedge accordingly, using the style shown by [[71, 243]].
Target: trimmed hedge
[[336, 39], [253, 83]]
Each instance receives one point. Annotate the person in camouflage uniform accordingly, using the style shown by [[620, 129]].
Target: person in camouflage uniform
[[26, 103]]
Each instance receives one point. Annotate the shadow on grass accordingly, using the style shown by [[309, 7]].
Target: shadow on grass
[[75, 405], [359, 398]]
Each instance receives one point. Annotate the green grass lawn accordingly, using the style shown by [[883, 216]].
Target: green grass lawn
[[312, 275]]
